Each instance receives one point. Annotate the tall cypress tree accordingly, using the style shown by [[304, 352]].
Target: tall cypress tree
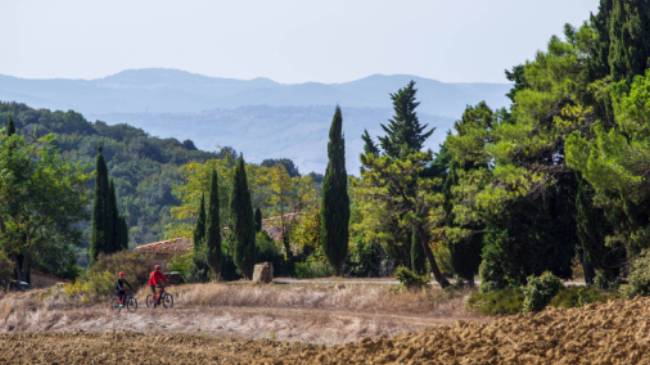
[[335, 207], [122, 234], [11, 127], [113, 217], [101, 224], [598, 63], [418, 258], [404, 132], [629, 30], [258, 220], [213, 229], [243, 222], [199, 228]]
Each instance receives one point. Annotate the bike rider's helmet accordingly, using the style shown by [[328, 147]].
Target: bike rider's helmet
[[121, 274], [157, 267]]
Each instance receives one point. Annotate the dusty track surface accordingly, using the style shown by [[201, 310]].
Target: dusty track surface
[[323, 314], [305, 325], [613, 333]]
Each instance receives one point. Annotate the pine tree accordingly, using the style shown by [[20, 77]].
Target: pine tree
[[404, 133], [258, 220], [199, 228], [101, 224], [213, 229], [369, 146], [11, 127], [335, 207], [243, 221], [369, 149]]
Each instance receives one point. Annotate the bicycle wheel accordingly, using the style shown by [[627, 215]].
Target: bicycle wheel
[[167, 300], [115, 304], [149, 302], [131, 304]]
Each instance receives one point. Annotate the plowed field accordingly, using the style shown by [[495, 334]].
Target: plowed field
[[613, 333]]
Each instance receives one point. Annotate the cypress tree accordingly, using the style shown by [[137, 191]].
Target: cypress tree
[[213, 229], [404, 132], [114, 224], [629, 30], [418, 258], [199, 228], [243, 221], [11, 127], [335, 207], [258, 220], [101, 227], [598, 63], [123, 234]]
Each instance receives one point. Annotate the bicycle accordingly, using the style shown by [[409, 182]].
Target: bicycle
[[130, 303], [166, 299]]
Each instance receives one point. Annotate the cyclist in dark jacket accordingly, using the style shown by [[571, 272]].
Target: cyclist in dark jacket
[[120, 287]]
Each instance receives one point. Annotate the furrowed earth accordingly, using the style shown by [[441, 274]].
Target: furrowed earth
[[317, 324]]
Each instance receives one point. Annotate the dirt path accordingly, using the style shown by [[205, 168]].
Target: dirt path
[[311, 312], [287, 324]]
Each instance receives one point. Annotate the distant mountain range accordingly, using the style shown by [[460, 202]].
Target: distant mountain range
[[260, 117]]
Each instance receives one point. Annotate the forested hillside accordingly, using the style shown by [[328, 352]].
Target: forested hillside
[[144, 168]]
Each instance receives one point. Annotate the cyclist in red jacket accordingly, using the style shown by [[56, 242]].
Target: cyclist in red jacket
[[157, 279]]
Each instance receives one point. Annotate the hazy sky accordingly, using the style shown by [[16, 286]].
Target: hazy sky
[[286, 40]]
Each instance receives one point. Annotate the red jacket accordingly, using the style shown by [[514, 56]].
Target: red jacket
[[156, 278]]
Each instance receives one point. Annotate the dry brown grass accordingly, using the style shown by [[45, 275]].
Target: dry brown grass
[[328, 313], [369, 298]]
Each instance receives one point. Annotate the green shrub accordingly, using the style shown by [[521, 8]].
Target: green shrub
[[497, 302], [98, 282], [6, 270], [364, 259], [268, 251], [135, 265], [573, 297], [540, 290], [492, 272], [92, 286], [409, 279], [638, 280], [312, 268], [183, 264]]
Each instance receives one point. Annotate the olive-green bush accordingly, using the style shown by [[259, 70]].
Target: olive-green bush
[[574, 296], [410, 279], [638, 279], [540, 290], [497, 302], [6, 270]]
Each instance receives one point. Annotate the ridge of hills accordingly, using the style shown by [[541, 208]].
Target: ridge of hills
[[260, 117]]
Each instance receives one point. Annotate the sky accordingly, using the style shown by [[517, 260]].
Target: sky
[[286, 40]]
